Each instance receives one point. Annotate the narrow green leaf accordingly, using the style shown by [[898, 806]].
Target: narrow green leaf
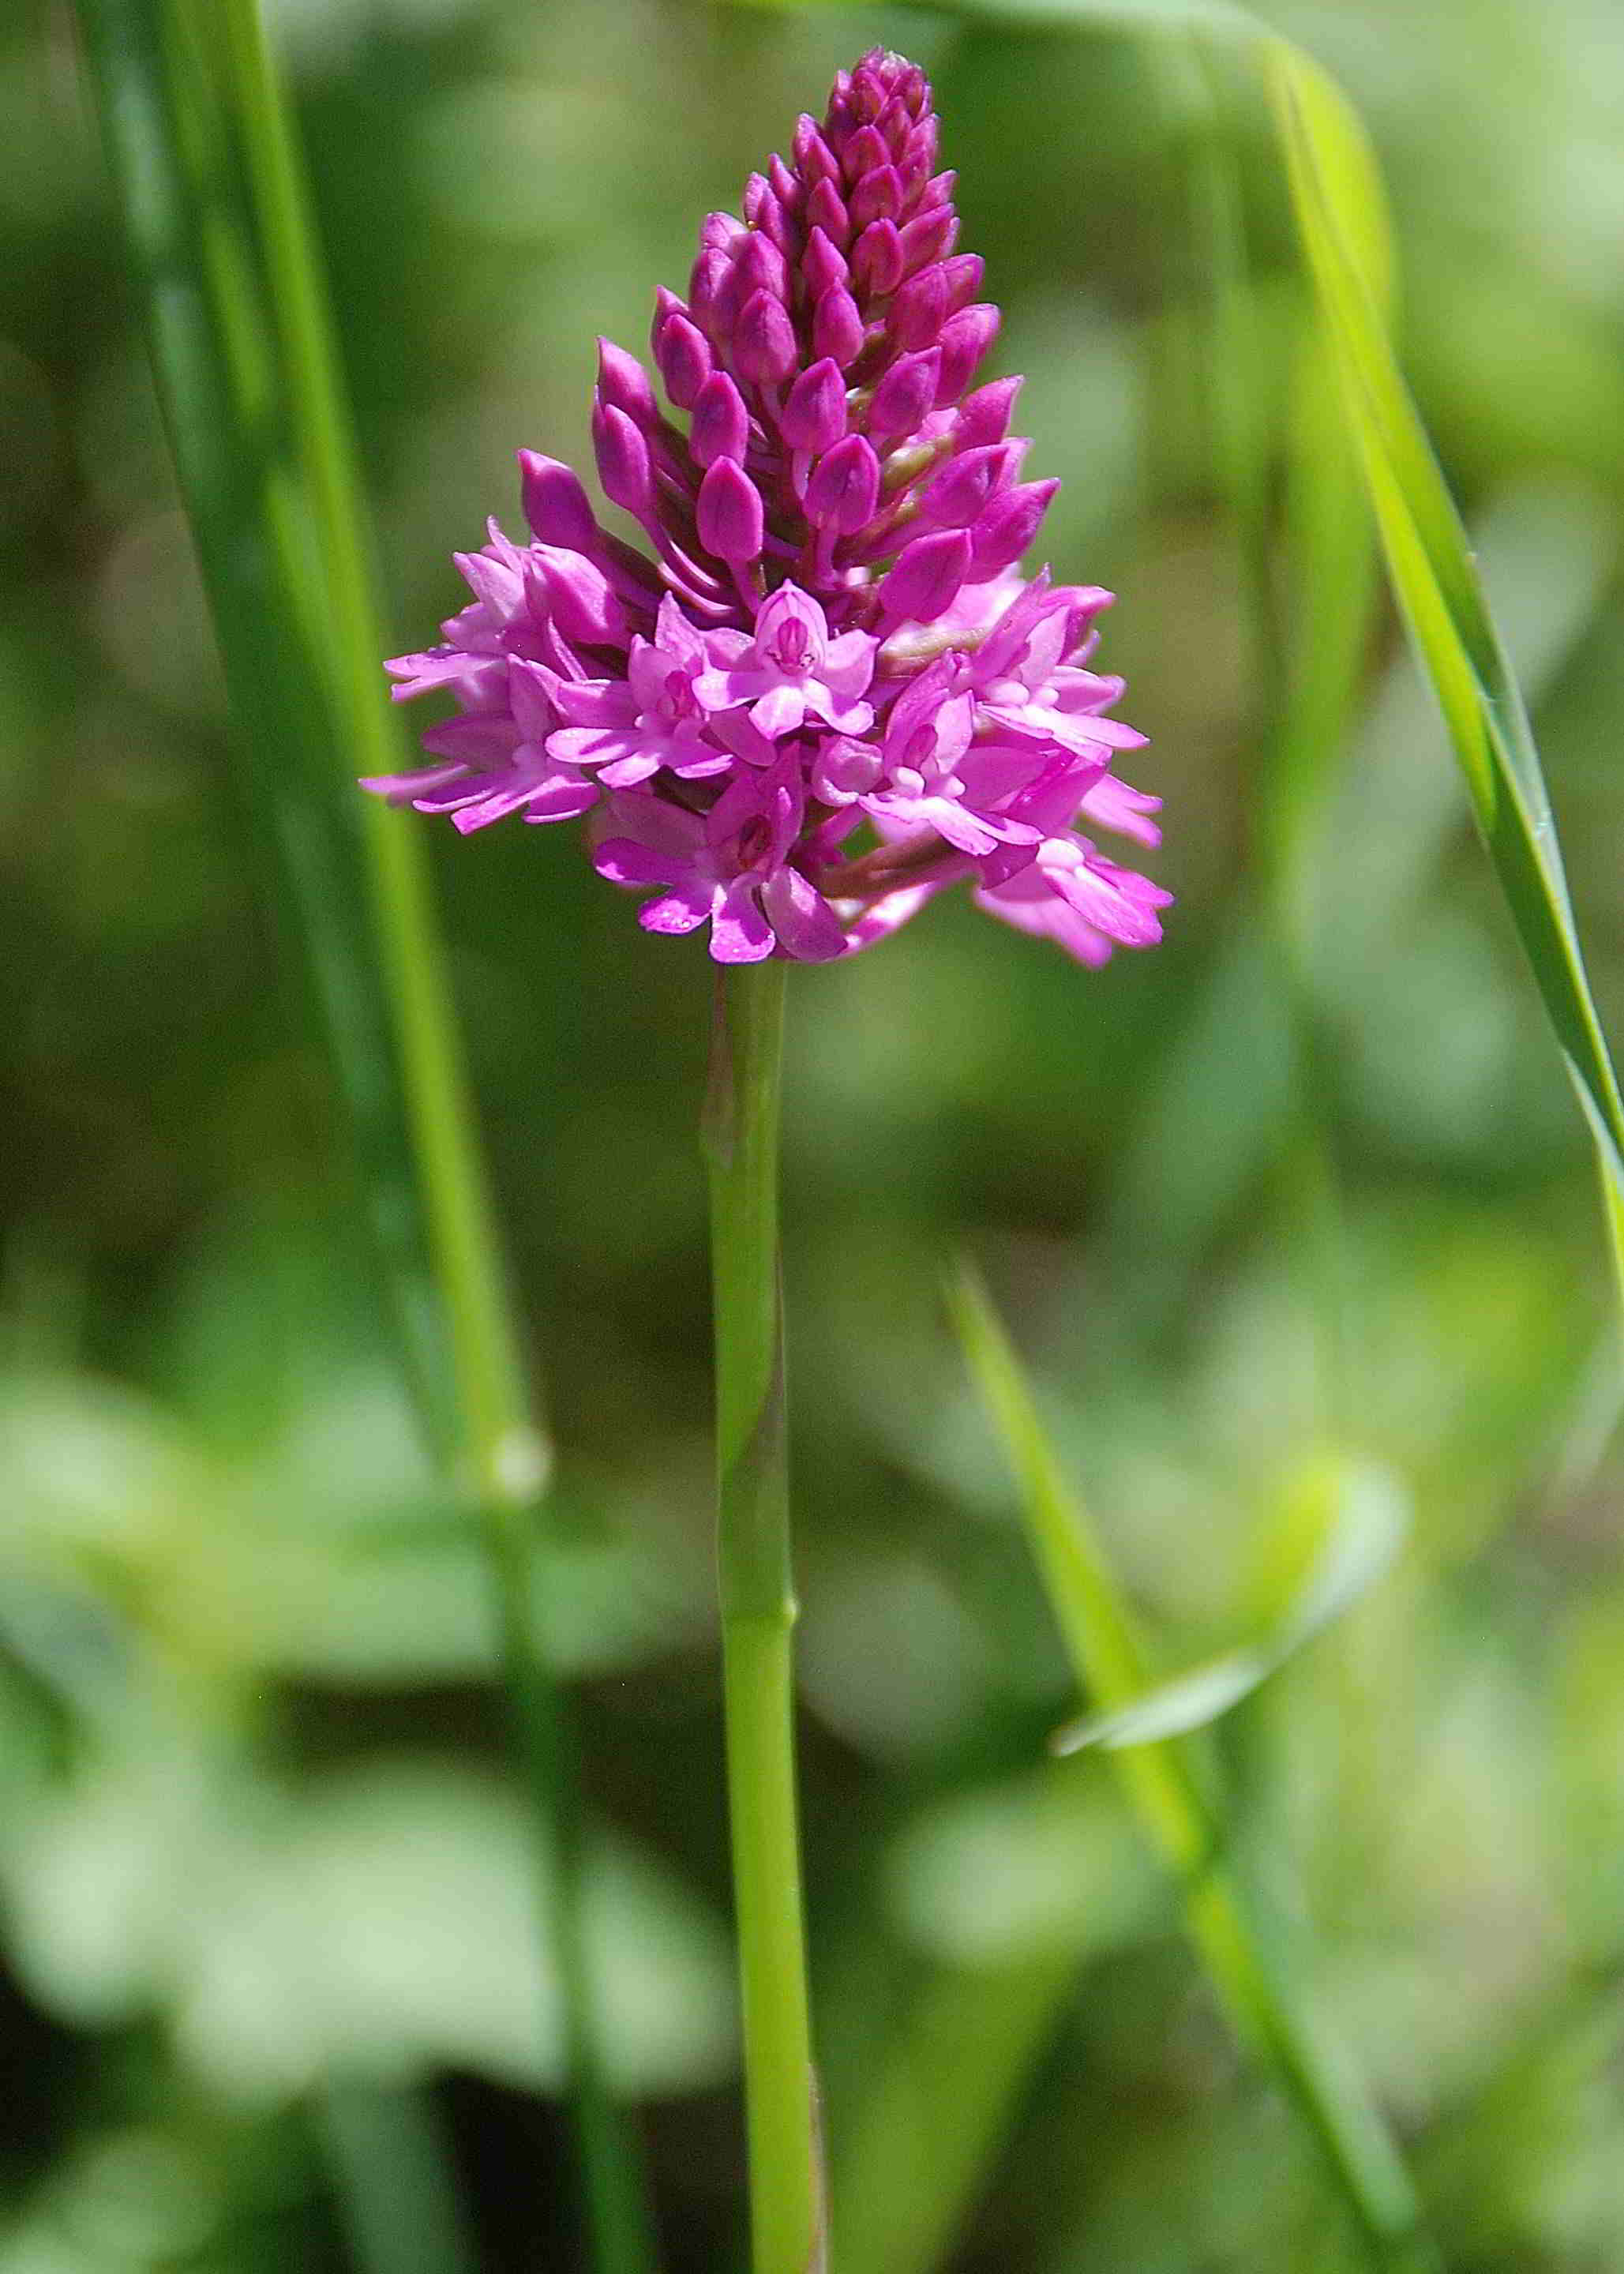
[[205, 157], [1436, 582], [1247, 1954]]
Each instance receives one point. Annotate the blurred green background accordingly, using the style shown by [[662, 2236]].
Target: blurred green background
[[268, 1988]]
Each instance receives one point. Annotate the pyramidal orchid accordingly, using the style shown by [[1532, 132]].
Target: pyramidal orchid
[[821, 690], [818, 692]]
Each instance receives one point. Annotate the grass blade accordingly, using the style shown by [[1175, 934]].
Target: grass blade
[[1437, 586], [231, 292], [1240, 1950]]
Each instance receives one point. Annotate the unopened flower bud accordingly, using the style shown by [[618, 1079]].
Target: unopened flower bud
[[765, 345], [961, 489], [710, 272], [838, 326], [845, 487], [729, 513], [984, 417], [556, 505], [919, 149], [813, 156], [966, 339], [919, 310], [925, 581], [721, 425], [624, 385], [826, 210], [877, 197], [878, 263], [760, 268], [623, 464], [964, 273], [906, 394], [683, 354], [813, 414], [864, 154], [822, 265], [929, 236], [1007, 528]]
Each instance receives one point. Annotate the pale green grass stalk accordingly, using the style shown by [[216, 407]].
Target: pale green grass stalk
[[236, 324], [757, 1590], [1243, 1952]]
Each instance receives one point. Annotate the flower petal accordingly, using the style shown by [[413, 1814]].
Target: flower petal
[[739, 933], [807, 927], [782, 709], [682, 910], [624, 861]]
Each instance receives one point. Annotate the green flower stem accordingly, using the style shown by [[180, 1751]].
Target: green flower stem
[[758, 1614], [206, 162]]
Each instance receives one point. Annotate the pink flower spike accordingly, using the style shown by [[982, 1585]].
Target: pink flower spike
[[825, 639]]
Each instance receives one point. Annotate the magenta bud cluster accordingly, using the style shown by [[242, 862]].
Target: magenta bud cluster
[[819, 690]]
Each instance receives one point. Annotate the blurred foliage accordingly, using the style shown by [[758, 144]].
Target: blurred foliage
[[265, 1967]]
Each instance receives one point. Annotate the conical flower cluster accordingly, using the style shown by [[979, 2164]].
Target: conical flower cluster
[[824, 691]]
